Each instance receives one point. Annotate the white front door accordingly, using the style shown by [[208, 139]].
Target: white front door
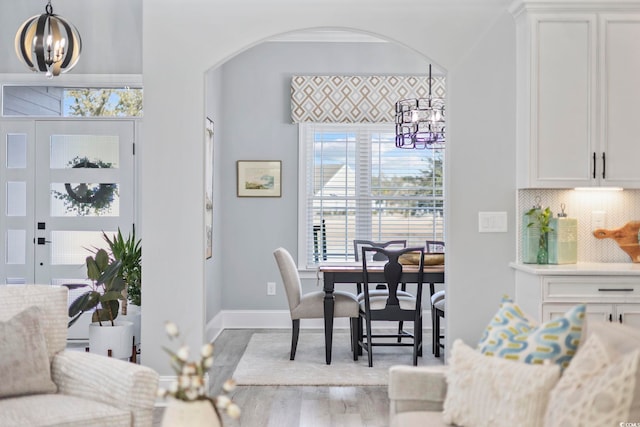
[[66, 182]]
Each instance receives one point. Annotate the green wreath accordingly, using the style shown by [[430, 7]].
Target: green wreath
[[82, 198]]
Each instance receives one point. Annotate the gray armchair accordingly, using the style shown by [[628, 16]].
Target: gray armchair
[[87, 389]]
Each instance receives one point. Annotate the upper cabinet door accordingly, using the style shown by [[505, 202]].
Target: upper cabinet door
[[557, 113], [620, 95], [578, 77]]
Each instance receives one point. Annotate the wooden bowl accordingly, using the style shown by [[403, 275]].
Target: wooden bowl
[[413, 258]]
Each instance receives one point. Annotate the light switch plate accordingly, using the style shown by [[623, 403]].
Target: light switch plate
[[492, 222], [598, 219]]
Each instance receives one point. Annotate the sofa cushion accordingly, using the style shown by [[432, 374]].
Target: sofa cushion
[[601, 386], [24, 361], [60, 410], [490, 391], [511, 334]]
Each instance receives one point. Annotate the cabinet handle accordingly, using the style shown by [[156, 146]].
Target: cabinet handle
[[610, 317], [620, 318], [604, 165], [615, 289], [594, 165]]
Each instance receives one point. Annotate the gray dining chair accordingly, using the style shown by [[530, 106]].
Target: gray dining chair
[[311, 305]]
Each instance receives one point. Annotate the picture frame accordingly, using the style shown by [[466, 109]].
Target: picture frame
[[259, 178], [208, 190]]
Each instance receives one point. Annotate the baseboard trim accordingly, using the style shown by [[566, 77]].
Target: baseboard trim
[[273, 319]]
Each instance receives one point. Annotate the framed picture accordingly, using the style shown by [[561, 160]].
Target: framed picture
[[208, 190], [259, 178]]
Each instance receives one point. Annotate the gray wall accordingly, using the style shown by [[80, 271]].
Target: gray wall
[[257, 125]]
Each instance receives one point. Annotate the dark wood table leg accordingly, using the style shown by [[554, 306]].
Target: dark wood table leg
[[329, 301]]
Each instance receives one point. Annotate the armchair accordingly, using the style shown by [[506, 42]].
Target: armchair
[[92, 390]]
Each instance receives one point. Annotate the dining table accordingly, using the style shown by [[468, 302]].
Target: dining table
[[351, 273]]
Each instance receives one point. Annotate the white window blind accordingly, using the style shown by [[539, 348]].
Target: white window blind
[[358, 185]]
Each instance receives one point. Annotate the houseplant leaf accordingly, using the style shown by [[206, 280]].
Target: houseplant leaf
[[84, 302]]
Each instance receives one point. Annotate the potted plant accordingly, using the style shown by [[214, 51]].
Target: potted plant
[[540, 218], [105, 333], [128, 251]]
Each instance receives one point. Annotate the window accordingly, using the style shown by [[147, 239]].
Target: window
[[358, 185], [52, 101]]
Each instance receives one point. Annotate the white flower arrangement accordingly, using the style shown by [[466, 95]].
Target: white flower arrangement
[[190, 384]]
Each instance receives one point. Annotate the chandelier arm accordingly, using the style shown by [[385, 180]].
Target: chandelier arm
[[70, 45], [23, 52], [40, 43]]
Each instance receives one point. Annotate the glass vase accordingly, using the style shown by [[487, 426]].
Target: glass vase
[[543, 252]]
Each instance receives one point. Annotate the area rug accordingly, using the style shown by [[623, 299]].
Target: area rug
[[266, 361]]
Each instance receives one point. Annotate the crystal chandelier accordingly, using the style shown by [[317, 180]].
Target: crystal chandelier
[[48, 43], [420, 122]]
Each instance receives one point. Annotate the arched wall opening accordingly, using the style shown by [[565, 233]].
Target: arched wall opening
[[248, 99], [474, 42]]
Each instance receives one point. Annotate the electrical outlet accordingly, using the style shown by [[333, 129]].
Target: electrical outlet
[[271, 288]]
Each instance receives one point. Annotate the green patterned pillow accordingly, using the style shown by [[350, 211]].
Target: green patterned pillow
[[513, 335]]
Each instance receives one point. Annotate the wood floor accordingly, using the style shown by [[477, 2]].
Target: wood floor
[[293, 406]]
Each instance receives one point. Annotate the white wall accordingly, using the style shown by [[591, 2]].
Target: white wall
[[473, 41]]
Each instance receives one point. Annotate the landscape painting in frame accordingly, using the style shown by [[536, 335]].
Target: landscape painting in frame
[[259, 178]]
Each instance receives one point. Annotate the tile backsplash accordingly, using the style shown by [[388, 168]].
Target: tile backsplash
[[620, 207]]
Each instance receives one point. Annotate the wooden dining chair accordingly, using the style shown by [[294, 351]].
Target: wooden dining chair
[[392, 307], [437, 303], [381, 289], [311, 305]]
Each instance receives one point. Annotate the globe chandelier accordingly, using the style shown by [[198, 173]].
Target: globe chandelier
[[420, 122], [48, 43]]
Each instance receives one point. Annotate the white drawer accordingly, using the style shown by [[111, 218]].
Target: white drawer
[[591, 289]]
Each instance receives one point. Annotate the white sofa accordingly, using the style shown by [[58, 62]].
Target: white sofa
[[418, 394], [56, 387]]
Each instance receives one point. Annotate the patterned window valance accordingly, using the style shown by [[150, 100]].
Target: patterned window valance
[[355, 99]]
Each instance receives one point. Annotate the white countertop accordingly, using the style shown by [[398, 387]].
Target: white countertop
[[580, 269]]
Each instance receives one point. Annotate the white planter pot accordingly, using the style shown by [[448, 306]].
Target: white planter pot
[[199, 413], [134, 316], [117, 338]]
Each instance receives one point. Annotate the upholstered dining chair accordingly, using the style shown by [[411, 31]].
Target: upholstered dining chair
[[311, 305], [391, 307], [437, 303]]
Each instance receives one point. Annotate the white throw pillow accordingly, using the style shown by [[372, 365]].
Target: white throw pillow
[[494, 392], [24, 362], [601, 386]]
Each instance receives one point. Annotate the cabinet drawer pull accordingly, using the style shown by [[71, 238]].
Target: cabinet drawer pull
[[620, 318], [610, 317], [615, 289], [604, 166], [594, 165]]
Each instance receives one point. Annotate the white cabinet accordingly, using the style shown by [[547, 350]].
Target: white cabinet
[[578, 85], [609, 298]]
